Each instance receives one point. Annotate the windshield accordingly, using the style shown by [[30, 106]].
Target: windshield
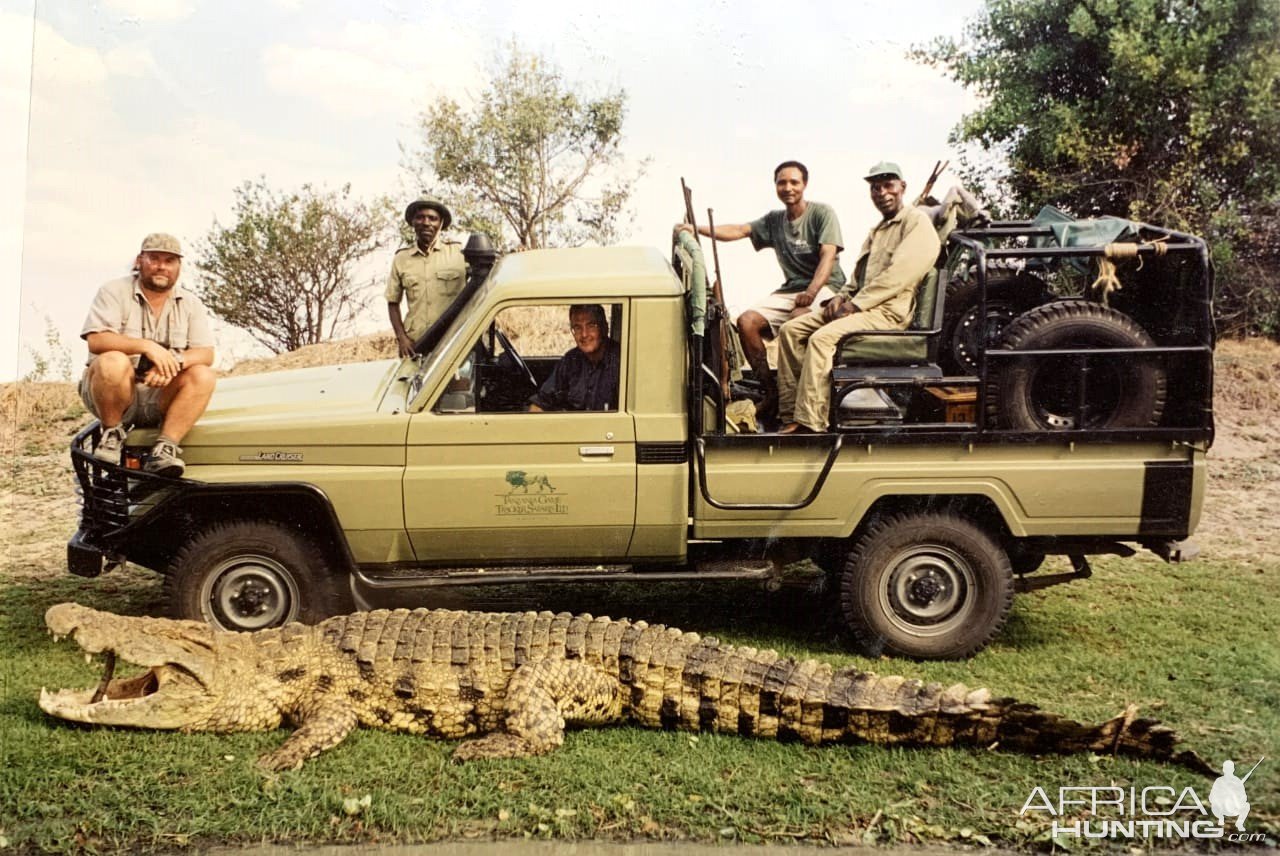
[[426, 363]]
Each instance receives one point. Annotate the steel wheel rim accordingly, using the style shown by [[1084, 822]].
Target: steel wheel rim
[[1055, 387], [928, 590], [249, 593], [966, 344]]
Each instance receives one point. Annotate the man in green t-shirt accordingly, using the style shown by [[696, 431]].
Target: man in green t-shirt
[[805, 237], [898, 253]]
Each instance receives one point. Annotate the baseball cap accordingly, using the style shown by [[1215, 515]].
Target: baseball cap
[[884, 168], [160, 242]]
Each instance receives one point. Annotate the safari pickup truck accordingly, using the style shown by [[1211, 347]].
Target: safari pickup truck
[[1076, 424]]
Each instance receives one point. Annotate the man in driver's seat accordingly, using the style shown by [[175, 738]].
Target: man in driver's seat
[[586, 378]]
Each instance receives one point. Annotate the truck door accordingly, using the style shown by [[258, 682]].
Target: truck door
[[487, 480]]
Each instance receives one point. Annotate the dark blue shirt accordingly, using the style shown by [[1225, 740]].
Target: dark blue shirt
[[576, 383]]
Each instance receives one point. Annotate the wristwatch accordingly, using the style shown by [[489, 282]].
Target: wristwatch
[[181, 358]]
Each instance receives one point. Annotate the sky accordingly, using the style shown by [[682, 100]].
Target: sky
[[124, 117]]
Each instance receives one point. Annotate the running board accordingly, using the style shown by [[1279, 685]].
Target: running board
[[719, 569]]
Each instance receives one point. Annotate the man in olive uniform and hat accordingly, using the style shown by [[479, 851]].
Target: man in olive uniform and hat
[[429, 274], [150, 357], [895, 257]]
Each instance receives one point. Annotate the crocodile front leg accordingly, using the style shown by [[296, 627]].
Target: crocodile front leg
[[540, 698], [322, 729]]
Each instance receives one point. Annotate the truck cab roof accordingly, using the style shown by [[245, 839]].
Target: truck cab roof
[[595, 273]]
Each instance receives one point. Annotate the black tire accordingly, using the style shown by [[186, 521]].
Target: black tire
[[932, 586], [249, 575], [1040, 394], [1008, 296]]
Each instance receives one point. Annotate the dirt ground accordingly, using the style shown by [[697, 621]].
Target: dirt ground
[[38, 503]]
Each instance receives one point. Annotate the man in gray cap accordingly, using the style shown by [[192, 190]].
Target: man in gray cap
[[150, 357], [896, 255], [430, 273]]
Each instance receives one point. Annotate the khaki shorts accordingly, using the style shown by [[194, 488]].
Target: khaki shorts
[[778, 306], [143, 412]]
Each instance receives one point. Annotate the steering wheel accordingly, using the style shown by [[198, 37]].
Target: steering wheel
[[509, 351]]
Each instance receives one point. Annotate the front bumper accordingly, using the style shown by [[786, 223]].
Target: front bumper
[[83, 559], [114, 498]]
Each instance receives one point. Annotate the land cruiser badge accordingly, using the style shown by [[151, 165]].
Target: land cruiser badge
[[272, 457]]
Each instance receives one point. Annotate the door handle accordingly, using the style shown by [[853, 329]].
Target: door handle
[[595, 451]]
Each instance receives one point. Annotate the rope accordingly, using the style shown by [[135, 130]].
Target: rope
[[1107, 280]]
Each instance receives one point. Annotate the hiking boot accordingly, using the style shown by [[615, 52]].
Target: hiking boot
[[165, 460], [110, 445]]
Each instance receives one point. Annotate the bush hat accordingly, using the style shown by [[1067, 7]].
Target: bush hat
[[431, 202]]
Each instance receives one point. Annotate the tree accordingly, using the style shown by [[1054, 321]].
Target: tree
[[535, 162], [1159, 110], [283, 272]]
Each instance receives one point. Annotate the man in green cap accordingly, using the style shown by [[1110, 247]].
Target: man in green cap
[[897, 254], [150, 357], [430, 273], [805, 237]]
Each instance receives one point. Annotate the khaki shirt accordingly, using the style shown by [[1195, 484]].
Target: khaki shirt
[[895, 256], [431, 280], [121, 307]]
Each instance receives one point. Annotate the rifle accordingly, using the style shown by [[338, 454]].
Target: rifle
[[938, 168], [722, 319], [722, 312]]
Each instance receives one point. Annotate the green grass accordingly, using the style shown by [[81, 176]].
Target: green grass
[[1194, 645]]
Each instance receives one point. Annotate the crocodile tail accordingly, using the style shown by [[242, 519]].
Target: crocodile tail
[[682, 681], [1029, 729], [864, 706]]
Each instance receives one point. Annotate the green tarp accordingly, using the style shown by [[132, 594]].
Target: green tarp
[[1093, 232]]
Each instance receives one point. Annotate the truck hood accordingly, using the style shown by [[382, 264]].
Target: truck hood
[[322, 389], [326, 405]]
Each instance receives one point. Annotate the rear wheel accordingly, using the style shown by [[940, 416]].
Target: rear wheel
[[249, 575], [932, 586]]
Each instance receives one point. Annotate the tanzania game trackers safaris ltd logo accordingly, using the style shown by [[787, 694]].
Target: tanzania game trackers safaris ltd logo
[[530, 494], [1156, 811]]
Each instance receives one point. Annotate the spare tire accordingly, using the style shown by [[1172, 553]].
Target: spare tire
[[1009, 294], [1042, 393]]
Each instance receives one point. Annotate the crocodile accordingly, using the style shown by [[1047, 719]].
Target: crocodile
[[509, 683]]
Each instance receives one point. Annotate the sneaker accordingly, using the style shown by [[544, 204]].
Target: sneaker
[[111, 445], [165, 460]]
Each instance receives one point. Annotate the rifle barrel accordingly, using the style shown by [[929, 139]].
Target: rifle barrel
[[1251, 769]]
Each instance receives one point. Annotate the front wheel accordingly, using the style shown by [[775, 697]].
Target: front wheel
[[932, 586], [248, 575]]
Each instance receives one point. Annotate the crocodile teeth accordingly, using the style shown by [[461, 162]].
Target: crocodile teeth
[[107, 674]]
